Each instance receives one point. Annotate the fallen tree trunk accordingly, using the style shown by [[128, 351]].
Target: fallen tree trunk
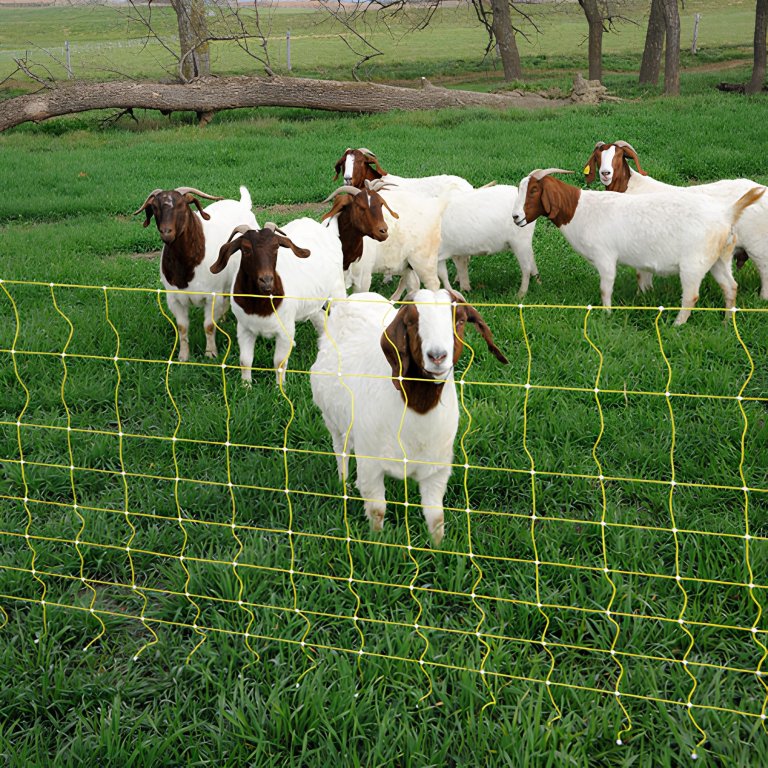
[[214, 94]]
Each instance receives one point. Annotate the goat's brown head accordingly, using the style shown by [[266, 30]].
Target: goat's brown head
[[172, 210], [259, 255], [361, 213], [540, 195], [610, 162], [425, 340], [357, 165]]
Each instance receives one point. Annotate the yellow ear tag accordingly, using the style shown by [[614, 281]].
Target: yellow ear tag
[[586, 169]]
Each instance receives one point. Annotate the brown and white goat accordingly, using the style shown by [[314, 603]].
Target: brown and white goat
[[191, 244], [751, 230], [666, 233], [384, 382], [277, 284]]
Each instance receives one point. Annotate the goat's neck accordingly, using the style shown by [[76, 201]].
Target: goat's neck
[[254, 302], [180, 257], [351, 239], [564, 200], [420, 390]]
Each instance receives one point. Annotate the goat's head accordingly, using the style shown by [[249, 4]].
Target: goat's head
[[357, 165], [426, 337], [539, 195], [259, 254], [611, 160], [172, 211]]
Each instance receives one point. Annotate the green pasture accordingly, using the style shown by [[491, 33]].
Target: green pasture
[[108, 43], [71, 693]]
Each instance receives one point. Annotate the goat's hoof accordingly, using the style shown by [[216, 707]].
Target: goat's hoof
[[209, 353], [376, 517]]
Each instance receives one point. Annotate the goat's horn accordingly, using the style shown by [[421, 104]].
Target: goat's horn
[[377, 185], [193, 191], [346, 189], [144, 204], [625, 144], [366, 151], [539, 174], [239, 230], [599, 144], [488, 185]]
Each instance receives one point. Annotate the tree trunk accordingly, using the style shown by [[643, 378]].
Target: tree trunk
[[505, 39], [672, 53], [213, 94], [755, 85], [654, 45], [595, 21], [193, 35]]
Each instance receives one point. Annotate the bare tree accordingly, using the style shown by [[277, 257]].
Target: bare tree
[[195, 58], [755, 85], [654, 45], [595, 22], [498, 25], [672, 51]]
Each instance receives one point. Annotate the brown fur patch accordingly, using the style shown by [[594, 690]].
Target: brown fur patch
[[552, 198]]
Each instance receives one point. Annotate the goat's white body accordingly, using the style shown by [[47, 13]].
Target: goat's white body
[[206, 288], [750, 231], [307, 285], [413, 242], [666, 233], [363, 404], [479, 222], [428, 186]]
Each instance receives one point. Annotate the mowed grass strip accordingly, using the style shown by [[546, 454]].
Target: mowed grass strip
[[62, 704]]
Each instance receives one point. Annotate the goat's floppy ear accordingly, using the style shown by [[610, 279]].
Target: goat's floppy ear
[[549, 200], [192, 200], [340, 201], [147, 207], [384, 203], [591, 167], [225, 252], [394, 345], [629, 150], [286, 242], [474, 317], [374, 165], [340, 163]]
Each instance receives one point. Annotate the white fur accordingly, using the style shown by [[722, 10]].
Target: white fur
[[307, 285], [429, 186], [363, 404], [666, 233], [205, 287], [751, 230]]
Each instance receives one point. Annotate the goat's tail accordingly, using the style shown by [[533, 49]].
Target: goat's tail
[[744, 202], [245, 198]]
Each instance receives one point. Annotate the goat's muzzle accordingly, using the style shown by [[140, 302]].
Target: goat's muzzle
[[266, 283], [167, 234], [519, 220]]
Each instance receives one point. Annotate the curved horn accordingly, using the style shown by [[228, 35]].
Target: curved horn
[[599, 144], [146, 202], [377, 185], [625, 144], [193, 191], [272, 227], [343, 190], [539, 174], [366, 151], [240, 229], [632, 152]]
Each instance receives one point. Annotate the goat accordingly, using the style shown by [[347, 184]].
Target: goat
[[384, 382], [272, 290], [750, 231], [357, 165], [413, 235], [670, 232], [191, 244]]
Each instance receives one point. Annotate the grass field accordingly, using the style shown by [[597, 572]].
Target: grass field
[[71, 693]]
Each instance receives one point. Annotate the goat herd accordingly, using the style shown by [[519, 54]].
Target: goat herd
[[383, 377]]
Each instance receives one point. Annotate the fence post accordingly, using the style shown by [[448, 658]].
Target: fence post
[[288, 49], [696, 21], [69, 62]]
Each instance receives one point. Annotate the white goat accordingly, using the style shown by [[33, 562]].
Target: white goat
[[192, 241], [383, 379], [278, 284], [750, 231], [666, 233]]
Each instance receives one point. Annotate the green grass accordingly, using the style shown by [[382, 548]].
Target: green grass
[[70, 188]]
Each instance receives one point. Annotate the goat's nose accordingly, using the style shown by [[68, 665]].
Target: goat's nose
[[437, 356], [516, 218], [266, 283], [348, 180]]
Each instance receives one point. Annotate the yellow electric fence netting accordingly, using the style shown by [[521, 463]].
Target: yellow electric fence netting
[[138, 488]]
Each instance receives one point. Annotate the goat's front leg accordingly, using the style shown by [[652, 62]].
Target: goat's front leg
[[428, 274], [462, 272], [432, 491], [607, 279], [179, 307], [370, 483], [283, 346], [442, 273], [246, 339]]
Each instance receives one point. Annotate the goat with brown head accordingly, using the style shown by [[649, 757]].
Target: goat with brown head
[[611, 160], [542, 195], [361, 213], [357, 165], [424, 342]]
